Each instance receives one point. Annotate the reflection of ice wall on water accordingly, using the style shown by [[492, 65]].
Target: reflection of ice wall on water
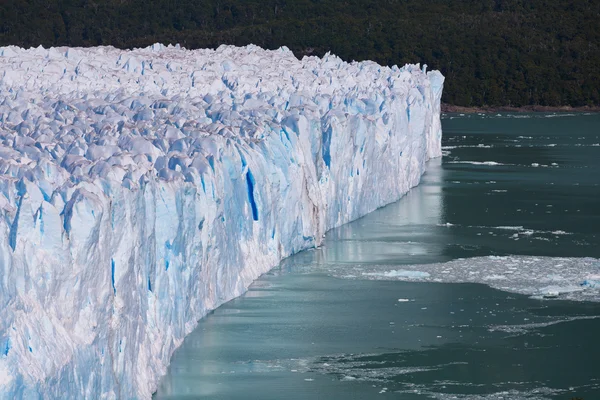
[[141, 189], [393, 234], [425, 204]]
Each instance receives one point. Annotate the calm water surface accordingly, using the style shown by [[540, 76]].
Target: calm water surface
[[320, 326]]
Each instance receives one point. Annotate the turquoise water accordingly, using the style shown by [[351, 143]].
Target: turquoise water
[[379, 310]]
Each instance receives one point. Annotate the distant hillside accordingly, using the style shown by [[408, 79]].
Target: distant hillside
[[492, 52]]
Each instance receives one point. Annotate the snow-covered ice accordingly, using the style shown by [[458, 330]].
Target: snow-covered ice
[[141, 189]]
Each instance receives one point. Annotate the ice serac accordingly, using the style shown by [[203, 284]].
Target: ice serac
[[141, 189]]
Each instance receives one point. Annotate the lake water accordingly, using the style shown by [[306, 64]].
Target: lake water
[[444, 294]]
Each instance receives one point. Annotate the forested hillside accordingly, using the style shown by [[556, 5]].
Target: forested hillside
[[492, 52]]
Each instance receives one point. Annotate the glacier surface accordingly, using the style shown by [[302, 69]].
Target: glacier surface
[[141, 189]]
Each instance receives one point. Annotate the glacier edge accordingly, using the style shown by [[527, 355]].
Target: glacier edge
[[141, 189]]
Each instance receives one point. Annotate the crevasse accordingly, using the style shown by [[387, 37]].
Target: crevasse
[[141, 189]]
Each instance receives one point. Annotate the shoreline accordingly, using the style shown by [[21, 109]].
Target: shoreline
[[450, 108]]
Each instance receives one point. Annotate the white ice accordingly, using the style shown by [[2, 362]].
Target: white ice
[[141, 189], [540, 277]]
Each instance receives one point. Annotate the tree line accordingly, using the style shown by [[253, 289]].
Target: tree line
[[492, 52]]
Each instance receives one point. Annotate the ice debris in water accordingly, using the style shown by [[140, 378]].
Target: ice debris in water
[[541, 277], [141, 189], [399, 274]]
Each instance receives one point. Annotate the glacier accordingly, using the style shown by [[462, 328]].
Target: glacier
[[140, 189]]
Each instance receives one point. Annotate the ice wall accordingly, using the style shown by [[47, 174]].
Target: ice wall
[[141, 189]]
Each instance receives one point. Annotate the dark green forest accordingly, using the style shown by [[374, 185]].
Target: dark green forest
[[492, 52]]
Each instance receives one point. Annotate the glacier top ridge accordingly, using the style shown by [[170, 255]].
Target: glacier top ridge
[[71, 115]]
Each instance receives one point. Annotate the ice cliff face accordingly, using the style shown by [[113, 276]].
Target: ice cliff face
[[141, 189]]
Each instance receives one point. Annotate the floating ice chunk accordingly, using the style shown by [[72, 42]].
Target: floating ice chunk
[[592, 281], [399, 274], [447, 224], [490, 163], [555, 290], [495, 278]]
